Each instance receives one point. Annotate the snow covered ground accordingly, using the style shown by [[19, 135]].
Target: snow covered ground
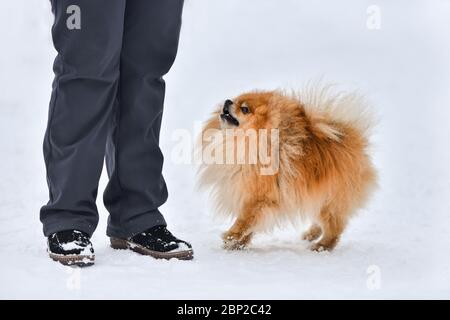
[[396, 248]]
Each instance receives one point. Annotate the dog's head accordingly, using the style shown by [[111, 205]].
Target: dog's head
[[249, 110]]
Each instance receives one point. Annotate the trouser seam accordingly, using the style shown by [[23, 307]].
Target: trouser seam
[[116, 136], [52, 112]]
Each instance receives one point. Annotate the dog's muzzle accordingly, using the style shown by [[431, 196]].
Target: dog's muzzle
[[226, 115]]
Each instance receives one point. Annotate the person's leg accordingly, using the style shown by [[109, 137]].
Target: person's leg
[[88, 39], [136, 188]]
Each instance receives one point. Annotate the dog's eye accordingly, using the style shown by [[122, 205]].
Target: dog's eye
[[245, 109]]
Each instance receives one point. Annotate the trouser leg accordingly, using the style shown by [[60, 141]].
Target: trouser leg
[[136, 188], [88, 39]]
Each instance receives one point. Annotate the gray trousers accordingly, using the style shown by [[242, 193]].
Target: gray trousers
[[107, 100]]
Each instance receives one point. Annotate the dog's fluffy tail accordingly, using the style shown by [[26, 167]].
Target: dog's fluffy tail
[[323, 102]]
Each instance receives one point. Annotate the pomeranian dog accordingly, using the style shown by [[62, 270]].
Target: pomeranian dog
[[310, 162]]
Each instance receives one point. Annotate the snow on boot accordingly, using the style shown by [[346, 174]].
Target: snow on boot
[[71, 248], [157, 242]]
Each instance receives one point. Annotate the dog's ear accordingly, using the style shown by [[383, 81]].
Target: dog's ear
[[262, 109], [265, 102]]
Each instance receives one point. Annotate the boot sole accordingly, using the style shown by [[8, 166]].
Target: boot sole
[[73, 260], [120, 244]]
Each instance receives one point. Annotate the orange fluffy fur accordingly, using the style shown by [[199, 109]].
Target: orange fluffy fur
[[325, 173]]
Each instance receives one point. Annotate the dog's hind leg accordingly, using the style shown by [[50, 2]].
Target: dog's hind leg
[[333, 222]]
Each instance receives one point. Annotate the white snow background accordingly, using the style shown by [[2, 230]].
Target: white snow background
[[398, 247]]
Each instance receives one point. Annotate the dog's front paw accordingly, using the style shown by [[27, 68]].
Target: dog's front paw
[[322, 246], [317, 247], [312, 234], [233, 241], [233, 245]]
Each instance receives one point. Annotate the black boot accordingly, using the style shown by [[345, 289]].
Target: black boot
[[157, 242], [71, 248]]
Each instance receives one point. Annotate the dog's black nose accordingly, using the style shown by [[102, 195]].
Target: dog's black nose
[[226, 106]]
